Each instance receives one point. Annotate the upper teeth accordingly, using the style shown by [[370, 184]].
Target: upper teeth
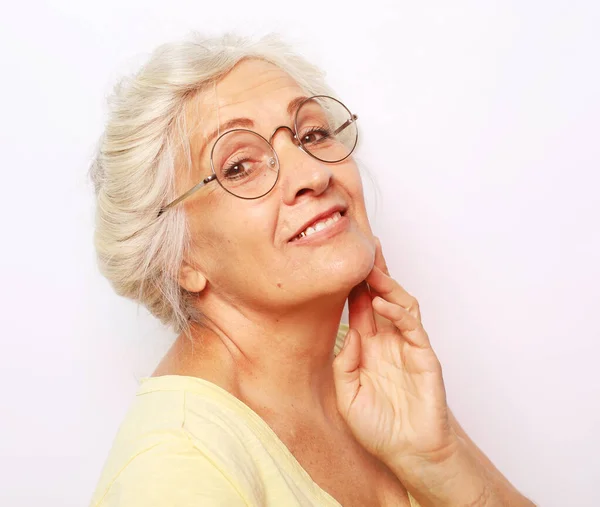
[[320, 225]]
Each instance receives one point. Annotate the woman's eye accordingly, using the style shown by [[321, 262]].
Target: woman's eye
[[235, 170], [314, 136]]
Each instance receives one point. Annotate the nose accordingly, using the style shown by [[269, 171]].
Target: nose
[[299, 173]]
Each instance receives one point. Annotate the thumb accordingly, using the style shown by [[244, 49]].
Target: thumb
[[346, 371]]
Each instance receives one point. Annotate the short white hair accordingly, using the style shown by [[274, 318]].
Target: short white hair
[[134, 166]]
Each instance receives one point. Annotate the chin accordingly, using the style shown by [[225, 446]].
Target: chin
[[350, 266]]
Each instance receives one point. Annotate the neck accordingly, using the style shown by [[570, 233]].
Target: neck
[[279, 365]]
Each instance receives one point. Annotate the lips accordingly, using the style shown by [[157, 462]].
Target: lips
[[319, 216]]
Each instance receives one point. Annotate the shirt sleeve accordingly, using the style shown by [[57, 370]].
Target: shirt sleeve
[[172, 474]]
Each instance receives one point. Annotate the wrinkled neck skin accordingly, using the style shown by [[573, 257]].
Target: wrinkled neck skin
[[277, 361]]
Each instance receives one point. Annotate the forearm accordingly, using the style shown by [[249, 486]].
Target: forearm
[[459, 480]]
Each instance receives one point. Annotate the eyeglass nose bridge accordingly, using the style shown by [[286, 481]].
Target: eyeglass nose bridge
[[294, 136], [295, 140]]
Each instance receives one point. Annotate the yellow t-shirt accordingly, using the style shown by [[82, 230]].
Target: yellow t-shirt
[[186, 442]]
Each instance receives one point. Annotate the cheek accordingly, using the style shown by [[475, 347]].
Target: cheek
[[246, 234], [227, 249], [349, 176], [353, 183]]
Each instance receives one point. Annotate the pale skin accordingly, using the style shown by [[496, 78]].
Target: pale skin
[[273, 309]]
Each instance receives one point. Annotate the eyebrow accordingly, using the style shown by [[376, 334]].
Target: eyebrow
[[246, 122]]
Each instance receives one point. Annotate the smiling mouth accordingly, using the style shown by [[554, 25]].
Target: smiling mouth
[[319, 225]]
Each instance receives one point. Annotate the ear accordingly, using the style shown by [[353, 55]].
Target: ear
[[191, 279]]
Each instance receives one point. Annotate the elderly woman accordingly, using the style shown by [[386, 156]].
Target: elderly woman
[[229, 204]]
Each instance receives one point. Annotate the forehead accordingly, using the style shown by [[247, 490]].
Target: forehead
[[253, 80], [253, 88]]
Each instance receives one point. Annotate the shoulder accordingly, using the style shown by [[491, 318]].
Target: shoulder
[[170, 472], [156, 460]]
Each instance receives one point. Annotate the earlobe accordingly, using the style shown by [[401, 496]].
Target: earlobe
[[191, 279]]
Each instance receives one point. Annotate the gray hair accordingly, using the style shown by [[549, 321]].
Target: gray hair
[[134, 166]]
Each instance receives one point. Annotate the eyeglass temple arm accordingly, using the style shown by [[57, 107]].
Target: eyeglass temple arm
[[206, 180], [345, 124]]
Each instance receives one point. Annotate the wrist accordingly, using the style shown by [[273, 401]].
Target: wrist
[[453, 478]]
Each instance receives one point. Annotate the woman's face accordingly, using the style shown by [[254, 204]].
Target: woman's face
[[243, 248]]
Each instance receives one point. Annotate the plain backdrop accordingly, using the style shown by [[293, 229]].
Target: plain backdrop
[[480, 127]]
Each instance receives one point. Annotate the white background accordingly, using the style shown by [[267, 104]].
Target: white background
[[480, 123]]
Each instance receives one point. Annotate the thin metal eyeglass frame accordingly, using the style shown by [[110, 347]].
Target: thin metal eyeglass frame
[[297, 142]]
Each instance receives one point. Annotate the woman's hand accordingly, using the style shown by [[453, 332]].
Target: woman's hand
[[388, 379]]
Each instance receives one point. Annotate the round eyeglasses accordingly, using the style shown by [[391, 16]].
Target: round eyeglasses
[[245, 163]]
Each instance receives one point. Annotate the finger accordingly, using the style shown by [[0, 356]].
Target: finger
[[346, 373], [360, 310], [381, 323], [390, 290], [411, 329], [379, 258]]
